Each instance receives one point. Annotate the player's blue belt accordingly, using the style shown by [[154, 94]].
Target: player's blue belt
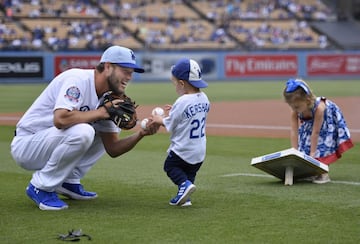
[[22, 132]]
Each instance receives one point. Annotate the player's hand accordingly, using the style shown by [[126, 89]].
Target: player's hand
[[151, 128]]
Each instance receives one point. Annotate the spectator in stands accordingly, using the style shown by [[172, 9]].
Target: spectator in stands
[[322, 41], [37, 44], [53, 42]]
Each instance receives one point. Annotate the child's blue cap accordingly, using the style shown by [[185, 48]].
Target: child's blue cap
[[189, 70]]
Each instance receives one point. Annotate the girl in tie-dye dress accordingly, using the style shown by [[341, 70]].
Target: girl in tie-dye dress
[[318, 127]]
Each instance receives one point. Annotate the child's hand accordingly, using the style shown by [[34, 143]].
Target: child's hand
[[167, 107], [157, 119]]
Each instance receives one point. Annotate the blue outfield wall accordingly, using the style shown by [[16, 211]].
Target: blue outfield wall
[[41, 67]]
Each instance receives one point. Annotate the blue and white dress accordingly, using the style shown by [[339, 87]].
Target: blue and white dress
[[334, 138]]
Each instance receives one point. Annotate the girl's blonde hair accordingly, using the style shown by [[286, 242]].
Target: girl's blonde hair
[[297, 90]]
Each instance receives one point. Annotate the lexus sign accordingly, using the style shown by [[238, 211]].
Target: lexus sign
[[14, 67]]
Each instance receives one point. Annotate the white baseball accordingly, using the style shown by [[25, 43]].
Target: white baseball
[[144, 123], [158, 111]]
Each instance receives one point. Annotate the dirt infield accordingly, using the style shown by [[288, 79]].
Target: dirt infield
[[267, 118]]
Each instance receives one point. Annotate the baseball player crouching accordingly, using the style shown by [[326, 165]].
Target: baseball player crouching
[[71, 125]]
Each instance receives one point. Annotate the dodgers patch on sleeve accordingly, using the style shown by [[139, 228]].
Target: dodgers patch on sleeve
[[72, 94]]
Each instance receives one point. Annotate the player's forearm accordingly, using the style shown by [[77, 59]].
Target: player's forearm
[[124, 145], [64, 119]]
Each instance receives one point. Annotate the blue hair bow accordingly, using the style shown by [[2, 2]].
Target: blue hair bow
[[293, 84]]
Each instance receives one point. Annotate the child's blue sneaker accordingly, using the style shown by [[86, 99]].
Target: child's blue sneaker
[[75, 191], [45, 200], [185, 190]]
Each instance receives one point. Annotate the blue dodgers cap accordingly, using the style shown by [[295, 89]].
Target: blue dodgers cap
[[121, 56], [189, 70]]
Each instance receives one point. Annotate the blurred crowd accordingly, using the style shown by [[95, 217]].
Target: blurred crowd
[[94, 25]]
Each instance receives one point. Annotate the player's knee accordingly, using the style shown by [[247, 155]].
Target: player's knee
[[83, 134]]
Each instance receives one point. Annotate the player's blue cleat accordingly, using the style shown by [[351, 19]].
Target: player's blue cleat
[[75, 191], [185, 190], [45, 200]]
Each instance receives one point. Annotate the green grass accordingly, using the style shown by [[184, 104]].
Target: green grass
[[18, 97], [234, 91], [134, 192]]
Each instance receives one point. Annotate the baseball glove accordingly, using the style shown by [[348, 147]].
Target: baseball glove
[[123, 112]]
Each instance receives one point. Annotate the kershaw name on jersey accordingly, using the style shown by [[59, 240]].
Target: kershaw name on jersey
[[192, 110]]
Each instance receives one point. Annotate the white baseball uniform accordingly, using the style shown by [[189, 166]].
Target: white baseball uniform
[[186, 123], [59, 155]]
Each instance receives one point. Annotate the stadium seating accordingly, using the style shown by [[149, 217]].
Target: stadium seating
[[161, 24]]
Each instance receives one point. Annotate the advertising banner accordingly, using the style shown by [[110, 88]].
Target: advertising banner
[[25, 67], [158, 66], [342, 64], [260, 65], [63, 63]]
